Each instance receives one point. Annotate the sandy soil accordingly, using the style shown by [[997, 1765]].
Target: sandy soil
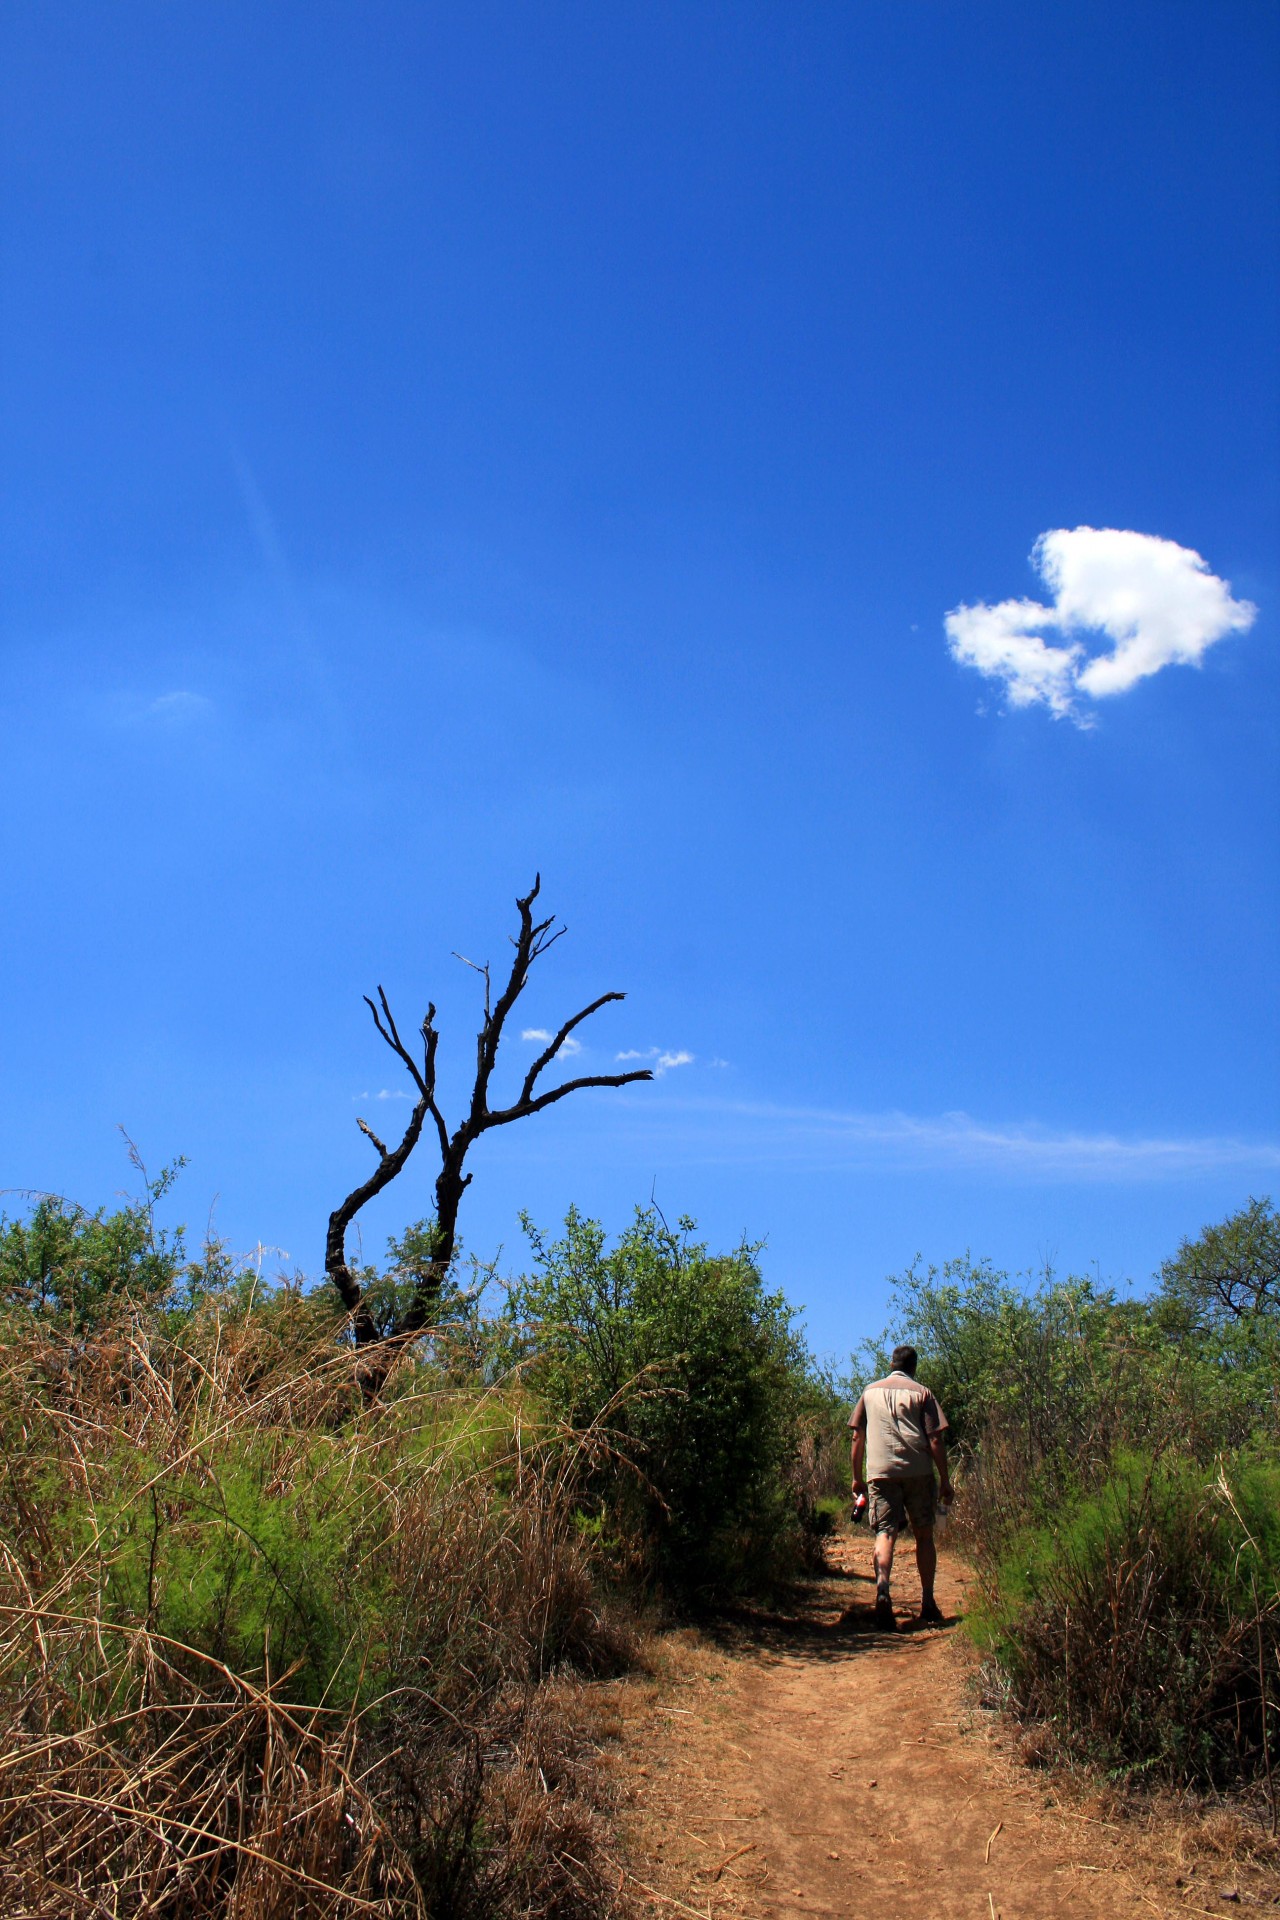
[[802, 1763]]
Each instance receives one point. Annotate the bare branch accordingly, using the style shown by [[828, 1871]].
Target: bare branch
[[530, 941], [430, 1041], [369, 1133], [483, 971], [391, 1021], [531, 934], [335, 1256], [541, 944], [523, 1106], [442, 1131], [393, 1039], [545, 1058]]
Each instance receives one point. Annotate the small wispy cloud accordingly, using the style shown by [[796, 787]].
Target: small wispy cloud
[[1153, 603], [181, 704], [663, 1058], [566, 1049], [744, 1133], [384, 1093]]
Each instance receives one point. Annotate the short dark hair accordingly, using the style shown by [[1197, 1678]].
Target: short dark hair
[[904, 1359]]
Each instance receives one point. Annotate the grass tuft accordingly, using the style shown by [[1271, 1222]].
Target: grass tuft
[[264, 1651]]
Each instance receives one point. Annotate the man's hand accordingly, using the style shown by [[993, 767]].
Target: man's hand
[[947, 1491], [859, 1486]]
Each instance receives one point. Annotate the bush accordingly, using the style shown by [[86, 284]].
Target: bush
[[696, 1374], [1145, 1624], [76, 1269], [65, 1264]]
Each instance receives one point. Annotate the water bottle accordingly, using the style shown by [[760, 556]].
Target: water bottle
[[859, 1509]]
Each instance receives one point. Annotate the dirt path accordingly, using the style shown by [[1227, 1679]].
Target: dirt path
[[805, 1766]]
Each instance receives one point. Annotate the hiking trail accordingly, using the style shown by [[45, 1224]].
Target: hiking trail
[[800, 1765]]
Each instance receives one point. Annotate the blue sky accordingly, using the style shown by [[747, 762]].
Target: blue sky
[[445, 443]]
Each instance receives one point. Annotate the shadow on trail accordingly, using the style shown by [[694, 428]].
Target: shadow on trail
[[820, 1622]]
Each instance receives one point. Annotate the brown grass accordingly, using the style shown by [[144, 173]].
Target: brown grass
[[368, 1712]]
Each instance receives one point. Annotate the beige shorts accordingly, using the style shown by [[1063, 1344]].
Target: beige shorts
[[891, 1503]]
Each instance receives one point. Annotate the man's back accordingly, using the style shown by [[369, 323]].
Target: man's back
[[899, 1418]]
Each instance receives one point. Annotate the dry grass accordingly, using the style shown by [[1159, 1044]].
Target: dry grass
[[1176, 1850], [1170, 1848], [1141, 1629], [266, 1652]]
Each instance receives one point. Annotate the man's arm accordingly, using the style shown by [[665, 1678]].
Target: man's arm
[[938, 1448], [859, 1459]]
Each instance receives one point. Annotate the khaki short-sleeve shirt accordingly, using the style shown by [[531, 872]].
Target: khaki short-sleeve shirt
[[899, 1418]]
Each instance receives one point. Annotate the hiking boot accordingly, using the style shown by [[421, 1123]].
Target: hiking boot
[[884, 1612], [930, 1613]]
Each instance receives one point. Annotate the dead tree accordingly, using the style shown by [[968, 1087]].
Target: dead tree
[[530, 943]]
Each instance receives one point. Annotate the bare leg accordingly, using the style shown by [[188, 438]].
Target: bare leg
[[884, 1561], [926, 1562]]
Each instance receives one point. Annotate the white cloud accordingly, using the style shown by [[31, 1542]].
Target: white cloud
[[663, 1058], [179, 705], [1001, 642], [1155, 603], [565, 1051]]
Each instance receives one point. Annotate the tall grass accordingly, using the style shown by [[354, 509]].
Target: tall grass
[[265, 1651], [1143, 1621]]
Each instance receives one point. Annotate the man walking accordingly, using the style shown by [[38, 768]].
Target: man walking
[[898, 1430]]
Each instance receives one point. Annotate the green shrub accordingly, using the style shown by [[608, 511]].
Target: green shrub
[[237, 1567], [1038, 1356], [74, 1268], [1042, 1382], [65, 1264], [699, 1378], [1142, 1623]]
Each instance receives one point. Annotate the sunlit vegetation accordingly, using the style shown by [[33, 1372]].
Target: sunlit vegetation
[[271, 1644], [268, 1646], [1121, 1497]]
